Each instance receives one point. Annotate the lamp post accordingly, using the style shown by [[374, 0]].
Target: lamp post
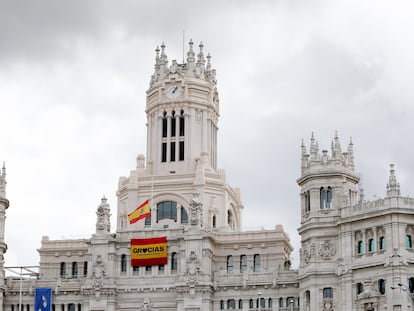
[[259, 302], [291, 302]]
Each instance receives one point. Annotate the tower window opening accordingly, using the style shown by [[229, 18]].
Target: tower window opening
[[164, 124], [411, 284], [172, 151], [325, 198], [181, 151], [307, 201], [167, 210], [164, 152], [182, 123], [173, 124], [214, 221]]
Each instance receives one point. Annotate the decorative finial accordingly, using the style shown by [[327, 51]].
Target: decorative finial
[[104, 199], [3, 170]]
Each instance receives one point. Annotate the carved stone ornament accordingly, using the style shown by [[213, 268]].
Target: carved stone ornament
[[195, 210], [308, 251], [193, 269], [327, 250], [147, 305], [98, 272], [327, 305], [198, 115]]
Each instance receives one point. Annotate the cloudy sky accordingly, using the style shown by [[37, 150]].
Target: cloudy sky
[[73, 76]]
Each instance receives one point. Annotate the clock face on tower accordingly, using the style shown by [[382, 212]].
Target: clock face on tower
[[173, 92]]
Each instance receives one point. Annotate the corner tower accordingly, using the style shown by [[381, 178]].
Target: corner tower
[[328, 184], [182, 112]]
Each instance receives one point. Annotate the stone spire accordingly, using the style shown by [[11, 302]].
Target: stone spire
[[3, 181], [190, 55], [393, 187]]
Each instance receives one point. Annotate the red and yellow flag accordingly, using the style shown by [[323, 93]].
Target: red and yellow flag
[[149, 252], [142, 211]]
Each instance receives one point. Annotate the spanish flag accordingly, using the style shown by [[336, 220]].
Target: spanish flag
[[142, 211]]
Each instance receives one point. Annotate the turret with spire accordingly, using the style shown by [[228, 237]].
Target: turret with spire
[[393, 187]]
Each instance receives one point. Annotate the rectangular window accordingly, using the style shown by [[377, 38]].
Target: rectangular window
[[327, 292], [243, 263], [164, 152], [359, 288], [74, 270], [148, 269], [173, 125], [360, 249], [135, 270], [381, 243], [381, 286], [182, 129], [164, 127], [85, 268], [161, 269], [172, 151], [181, 151]]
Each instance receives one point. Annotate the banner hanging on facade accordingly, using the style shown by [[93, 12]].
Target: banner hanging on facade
[[43, 299], [148, 252]]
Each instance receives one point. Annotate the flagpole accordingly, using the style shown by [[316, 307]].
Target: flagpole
[[21, 289], [152, 195]]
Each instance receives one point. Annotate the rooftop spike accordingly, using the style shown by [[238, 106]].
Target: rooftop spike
[[393, 187], [200, 57], [3, 170], [190, 54], [208, 67]]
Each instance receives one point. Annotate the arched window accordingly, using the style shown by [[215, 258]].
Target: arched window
[[307, 297], [256, 263], [280, 302], [173, 124], [62, 270], [327, 292], [381, 243], [270, 303], [371, 245], [408, 241], [251, 304], [174, 262], [381, 286], [290, 301], [329, 198], [411, 284], [123, 263], [164, 124], [262, 302], [243, 263], [359, 288], [182, 123], [230, 219], [322, 196], [240, 304], [221, 304], [229, 264], [231, 304], [74, 270], [184, 216], [167, 210], [214, 221], [360, 247]]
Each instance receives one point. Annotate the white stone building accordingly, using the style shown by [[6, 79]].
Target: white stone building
[[355, 255]]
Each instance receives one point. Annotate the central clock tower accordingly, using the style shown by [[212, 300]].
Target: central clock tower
[[182, 108], [182, 113]]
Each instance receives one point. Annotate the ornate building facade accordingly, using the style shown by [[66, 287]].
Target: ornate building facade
[[355, 255]]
